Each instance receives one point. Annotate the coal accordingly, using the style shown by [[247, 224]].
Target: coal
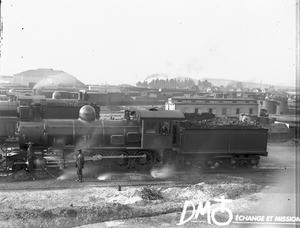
[[222, 123]]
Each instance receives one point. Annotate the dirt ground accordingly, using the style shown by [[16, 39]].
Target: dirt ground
[[157, 200]]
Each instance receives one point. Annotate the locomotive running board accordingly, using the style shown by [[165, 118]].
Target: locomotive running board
[[120, 156], [100, 157]]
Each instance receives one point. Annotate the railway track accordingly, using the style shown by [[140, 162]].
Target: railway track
[[261, 176]]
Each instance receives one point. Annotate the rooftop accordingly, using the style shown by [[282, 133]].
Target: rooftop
[[161, 114]]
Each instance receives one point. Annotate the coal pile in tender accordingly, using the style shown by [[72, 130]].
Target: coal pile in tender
[[224, 123]]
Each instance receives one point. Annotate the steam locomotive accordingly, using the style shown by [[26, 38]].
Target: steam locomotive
[[141, 140], [50, 108]]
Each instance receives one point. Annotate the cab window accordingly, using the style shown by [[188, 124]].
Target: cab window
[[151, 127], [165, 127]]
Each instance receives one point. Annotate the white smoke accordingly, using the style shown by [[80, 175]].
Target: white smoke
[[164, 172], [104, 176], [68, 174]]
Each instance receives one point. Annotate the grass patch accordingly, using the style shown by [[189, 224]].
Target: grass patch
[[232, 191], [151, 194]]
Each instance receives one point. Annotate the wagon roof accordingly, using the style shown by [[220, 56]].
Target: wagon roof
[[161, 114]]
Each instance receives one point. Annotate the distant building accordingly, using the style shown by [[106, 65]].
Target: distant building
[[218, 106], [48, 78], [6, 79], [169, 105], [105, 88], [100, 98], [256, 90], [272, 106]]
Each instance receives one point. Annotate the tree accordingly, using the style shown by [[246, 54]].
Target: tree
[[195, 87], [239, 85], [139, 84]]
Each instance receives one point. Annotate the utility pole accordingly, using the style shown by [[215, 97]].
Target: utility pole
[[1, 30]]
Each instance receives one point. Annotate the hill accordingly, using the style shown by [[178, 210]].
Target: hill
[[250, 85]]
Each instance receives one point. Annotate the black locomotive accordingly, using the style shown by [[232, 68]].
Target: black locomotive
[[142, 139]]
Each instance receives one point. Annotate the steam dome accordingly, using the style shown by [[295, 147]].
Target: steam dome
[[87, 113]]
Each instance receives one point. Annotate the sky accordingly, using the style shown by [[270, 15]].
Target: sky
[[124, 41]]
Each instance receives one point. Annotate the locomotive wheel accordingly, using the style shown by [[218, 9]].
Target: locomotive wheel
[[96, 158], [254, 161], [18, 165], [120, 164], [9, 164], [243, 163], [144, 163]]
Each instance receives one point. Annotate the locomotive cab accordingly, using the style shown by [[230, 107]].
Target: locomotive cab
[[159, 128]]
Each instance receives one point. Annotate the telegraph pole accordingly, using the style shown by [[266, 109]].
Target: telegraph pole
[[1, 30]]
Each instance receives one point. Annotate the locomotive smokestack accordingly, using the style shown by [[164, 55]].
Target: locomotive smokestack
[[56, 95]]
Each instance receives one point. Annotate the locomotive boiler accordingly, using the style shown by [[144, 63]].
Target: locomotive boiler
[[142, 139], [136, 140]]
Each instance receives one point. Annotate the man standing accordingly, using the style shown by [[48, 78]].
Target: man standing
[[79, 165], [30, 157]]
